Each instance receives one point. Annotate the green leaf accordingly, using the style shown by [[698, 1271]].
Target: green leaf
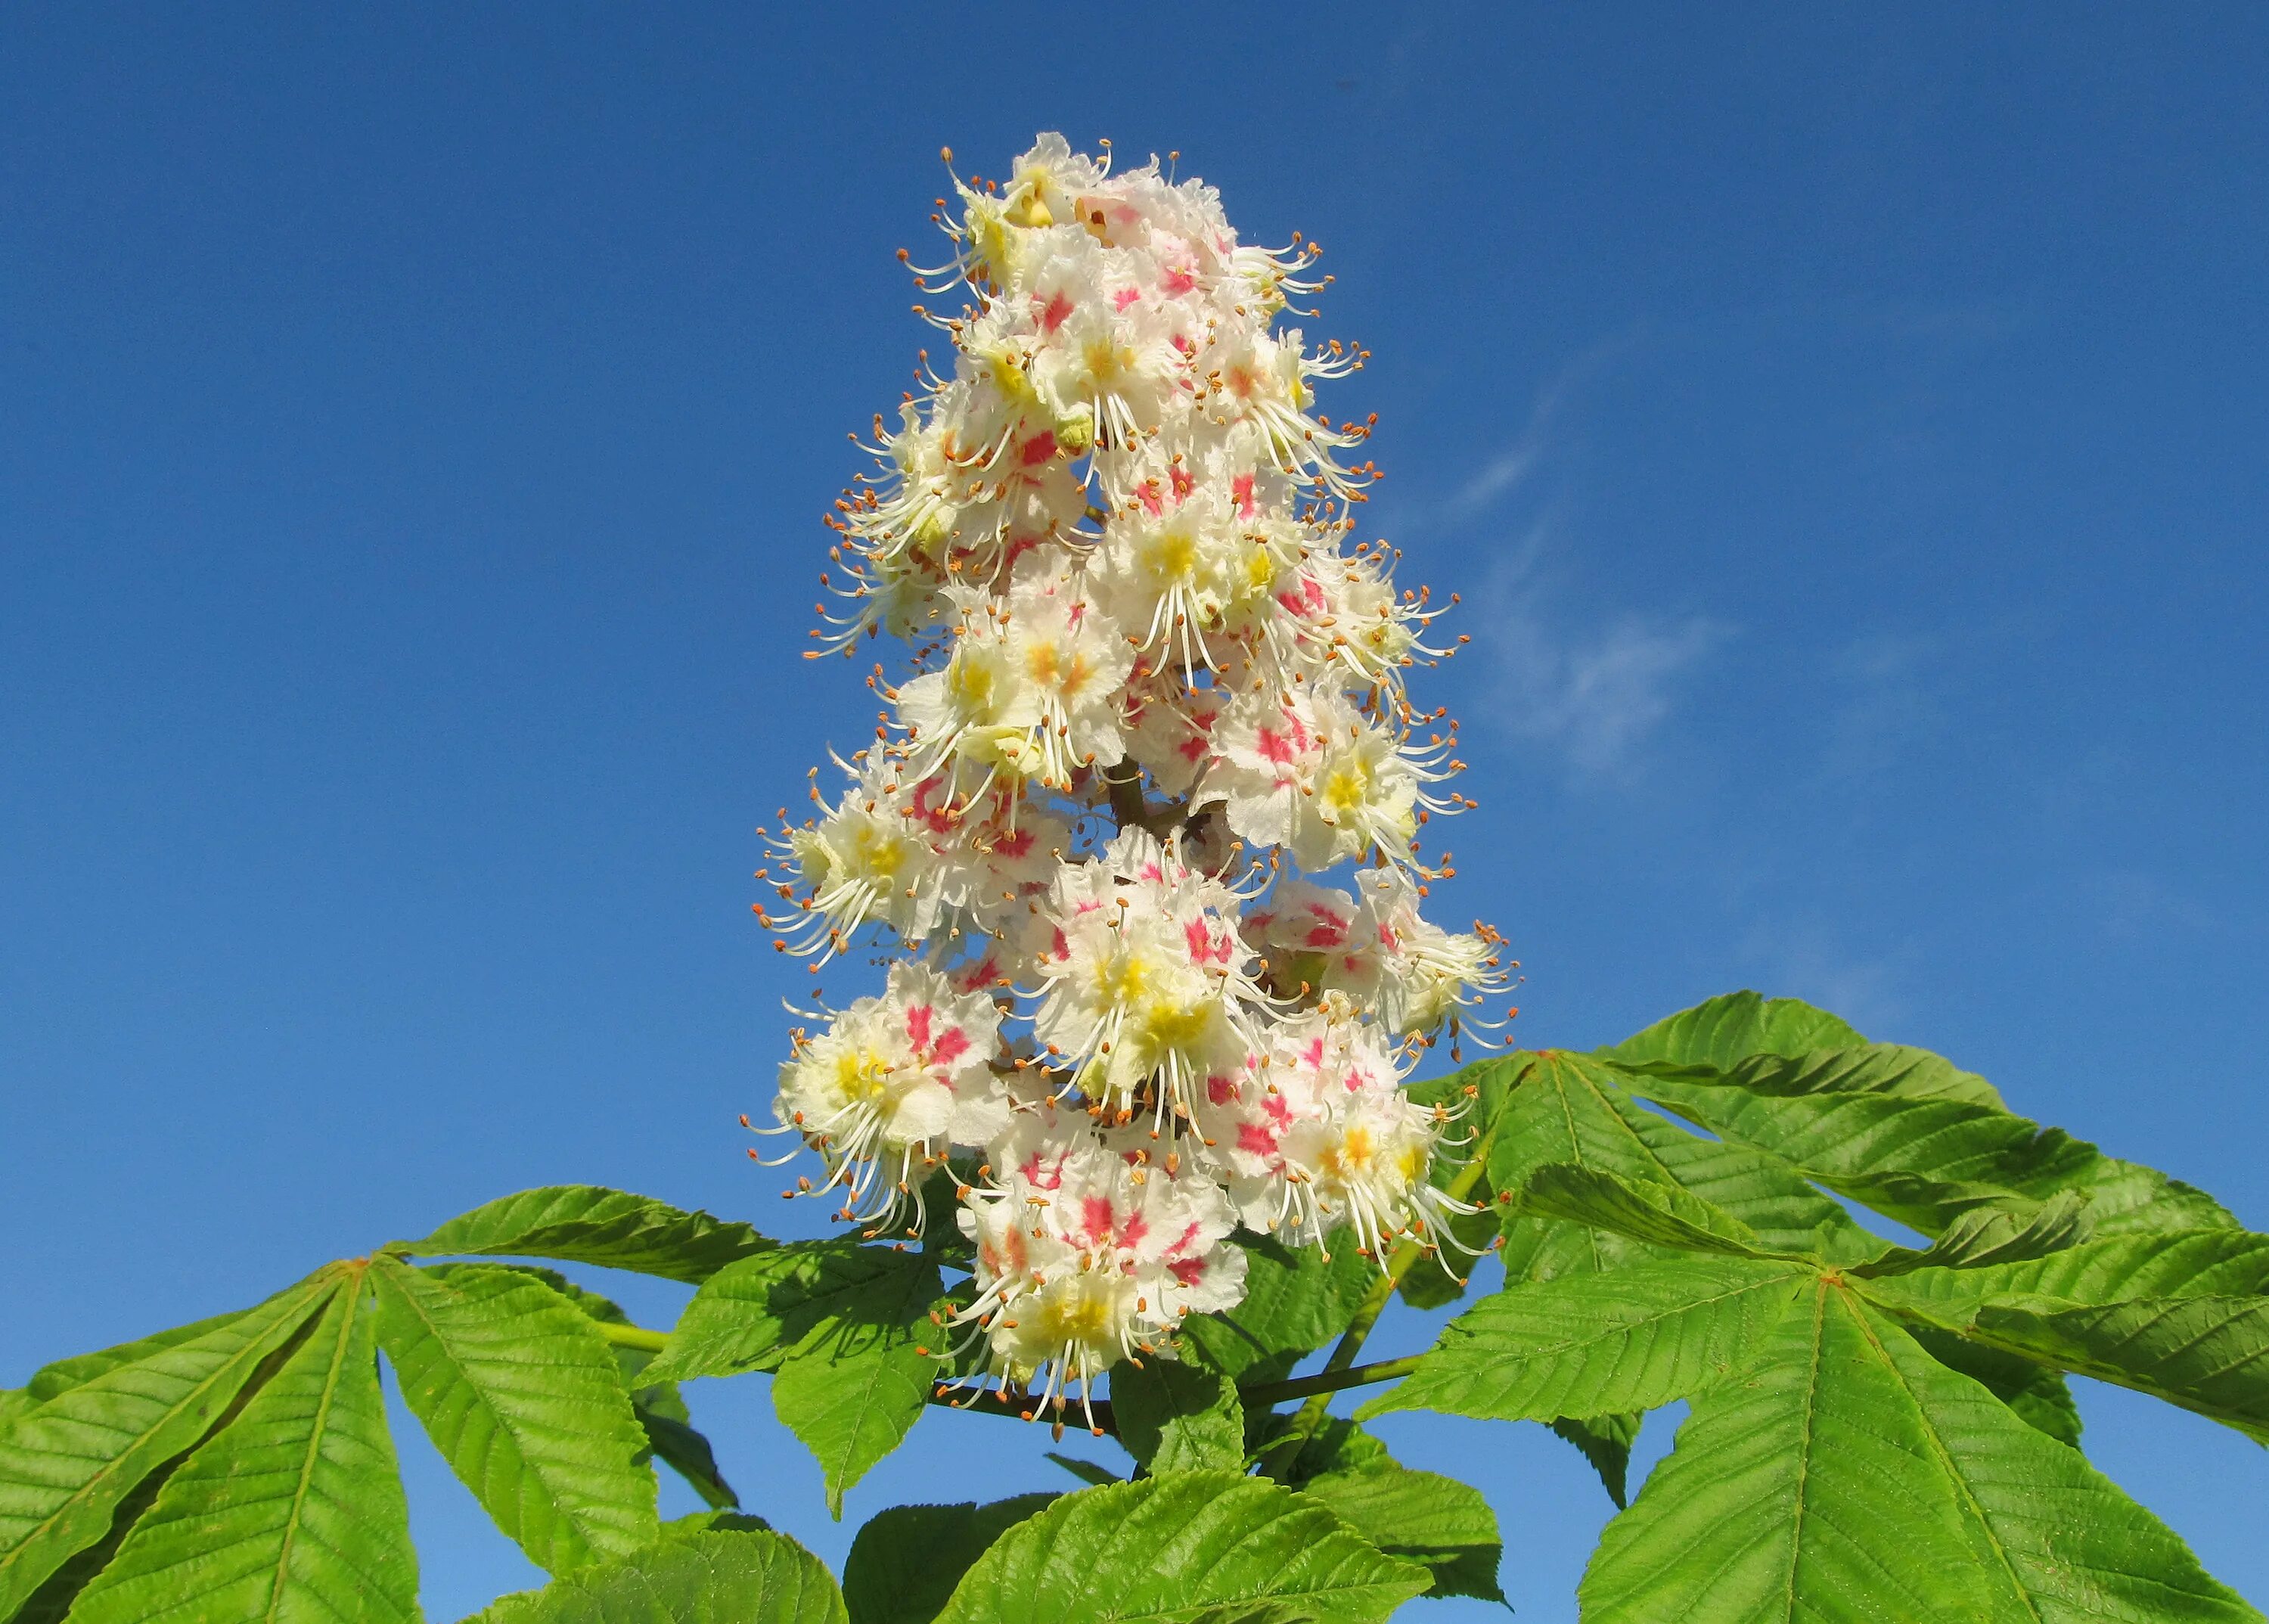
[[585, 1223], [59, 1592], [1885, 1125], [1337, 1444], [1440, 1523], [292, 1511], [905, 1562], [670, 1436], [65, 1374], [1731, 1028], [2202, 1263], [2180, 1317], [1289, 1310], [1986, 1236], [2210, 1354], [67, 1464], [1085, 1470], [1573, 1109], [846, 1328], [2038, 1396], [595, 1305], [685, 1450], [1606, 1442], [697, 1578], [1599, 1344], [1178, 1417], [1170, 1550], [525, 1401], [754, 1314], [1848, 1475], [1638, 1209], [720, 1522]]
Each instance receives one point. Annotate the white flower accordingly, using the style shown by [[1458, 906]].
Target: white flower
[[992, 853], [1169, 725], [1145, 980], [1338, 611], [1319, 1134], [891, 1082], [1031, 688], [1303, 769], [1085, 1257], [1117, 361], [1414, 973], [868, 861]]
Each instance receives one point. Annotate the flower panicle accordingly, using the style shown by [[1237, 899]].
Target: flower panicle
[[1153, 697]]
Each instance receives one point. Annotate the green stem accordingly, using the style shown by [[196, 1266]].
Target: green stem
[[1127, 805], [1279, 1460], [633, 1336], [1267, 1394]]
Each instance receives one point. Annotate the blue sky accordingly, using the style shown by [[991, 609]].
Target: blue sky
[[1847, 430]]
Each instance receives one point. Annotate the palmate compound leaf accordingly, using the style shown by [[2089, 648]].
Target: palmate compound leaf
[[754, 1314], [1638, 1209], [1734, 1026], [1178, 1417], [845, 1327], [67, 1465], [1174, 1550], [1630, 1338], [1444, 1525], [2202, 1263], [2210, 1354], [294, 1511], [1556, 1107], [746, 1577], [671, 1437], [586, 1223], [1573, 1109], [524, 1401], [2038, 1396], [2181, 1316], [1847, 1475], [905, 1562], [1898, 1130]]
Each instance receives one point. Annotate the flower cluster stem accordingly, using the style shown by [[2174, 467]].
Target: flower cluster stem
[[1277, 1462], [625, 1335]]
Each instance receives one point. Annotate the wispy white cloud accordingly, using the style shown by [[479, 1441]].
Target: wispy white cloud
[[1596, 689], [1497, 477], [1593, 688], [1505, 470]]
